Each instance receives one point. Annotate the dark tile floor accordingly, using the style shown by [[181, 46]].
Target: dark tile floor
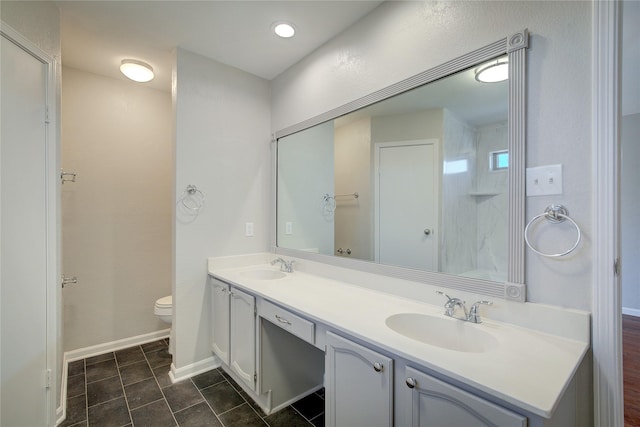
[[131, 387]]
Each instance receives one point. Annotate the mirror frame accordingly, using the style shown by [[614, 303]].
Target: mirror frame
[[515, 46]]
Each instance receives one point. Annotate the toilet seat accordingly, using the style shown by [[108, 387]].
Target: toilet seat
[[165, 302], [164, 306]]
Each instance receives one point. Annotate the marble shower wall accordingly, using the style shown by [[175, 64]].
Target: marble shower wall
[[492, 209], [459, 209], [474, 200]]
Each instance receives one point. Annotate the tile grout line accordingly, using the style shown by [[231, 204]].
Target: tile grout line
[[243, 398], [149, 403], [124, 393], [263, 418], [207, 402], [158, 384], [224, 379]]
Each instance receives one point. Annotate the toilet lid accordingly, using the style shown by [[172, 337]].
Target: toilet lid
[[165, 302]]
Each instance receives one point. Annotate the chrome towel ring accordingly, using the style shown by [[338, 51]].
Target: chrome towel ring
[[555, 214], [192, 198]]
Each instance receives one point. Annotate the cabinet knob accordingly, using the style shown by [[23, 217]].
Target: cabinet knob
[[411, 383], [377, 367]]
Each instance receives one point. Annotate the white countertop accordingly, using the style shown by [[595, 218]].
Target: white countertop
[[527, 368]]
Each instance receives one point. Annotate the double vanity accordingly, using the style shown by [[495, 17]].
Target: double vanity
[[390, 355]]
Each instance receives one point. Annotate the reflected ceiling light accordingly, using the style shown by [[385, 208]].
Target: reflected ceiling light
[[136, 70], [284, 30], [495, 71]]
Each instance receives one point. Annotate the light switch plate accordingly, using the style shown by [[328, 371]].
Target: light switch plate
[[544, 180]]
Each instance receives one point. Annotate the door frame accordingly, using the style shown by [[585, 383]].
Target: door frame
[[376, 188], [53, 229], [606, 303]]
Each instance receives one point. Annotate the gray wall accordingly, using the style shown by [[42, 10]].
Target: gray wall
[[306, 173], [222, 143]]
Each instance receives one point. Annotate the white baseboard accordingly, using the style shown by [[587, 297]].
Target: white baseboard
[[631, 311], [61, 411], [179, 374], [95, 350]]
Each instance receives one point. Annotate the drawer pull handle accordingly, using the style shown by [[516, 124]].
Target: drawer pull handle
[[377, 367], [411, 383], [282, 320]]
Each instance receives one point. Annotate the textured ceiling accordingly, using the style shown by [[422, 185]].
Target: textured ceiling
[[97, 35]]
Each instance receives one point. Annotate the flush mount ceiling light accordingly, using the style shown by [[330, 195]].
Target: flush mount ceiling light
[[495, 71], [284, 30], [136, 70]]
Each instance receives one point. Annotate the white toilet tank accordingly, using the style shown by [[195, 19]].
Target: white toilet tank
[[164, 308]]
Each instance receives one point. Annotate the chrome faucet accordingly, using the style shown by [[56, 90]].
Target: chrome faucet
[[451, 304], [286, 266], [472, 315]]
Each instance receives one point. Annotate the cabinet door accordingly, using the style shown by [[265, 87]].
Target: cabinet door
[[243, 337], [220, 327], [359, 385], [435, 403]]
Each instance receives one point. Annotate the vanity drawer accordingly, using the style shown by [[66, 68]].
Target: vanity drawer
[[288, 321]]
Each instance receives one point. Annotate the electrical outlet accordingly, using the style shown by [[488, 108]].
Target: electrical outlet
[[288, 228], [544, 180], [248, 229]]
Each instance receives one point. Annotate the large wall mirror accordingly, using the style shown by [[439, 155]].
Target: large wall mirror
[[421, 180]]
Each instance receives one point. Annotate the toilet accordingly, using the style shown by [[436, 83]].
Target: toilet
[[164, 309]]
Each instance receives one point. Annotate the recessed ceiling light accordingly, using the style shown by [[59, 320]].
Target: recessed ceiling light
[[493, 72], [136, 70], [284, 30]]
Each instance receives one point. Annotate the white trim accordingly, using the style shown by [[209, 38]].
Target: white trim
[[61, 411], [179, 374], [631, 311], [95, 350], [607, 335], [52, 284]]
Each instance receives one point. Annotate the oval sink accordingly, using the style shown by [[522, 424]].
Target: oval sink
[[443, 332], [263, 274]]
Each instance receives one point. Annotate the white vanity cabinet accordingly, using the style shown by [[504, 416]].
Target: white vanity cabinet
[[267, 349], [234, 330], [284, 336], [425, 401], [358, 385], [220, 319], [242, 340]]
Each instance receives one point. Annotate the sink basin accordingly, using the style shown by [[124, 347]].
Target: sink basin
[[263, 274], [443, 332]]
